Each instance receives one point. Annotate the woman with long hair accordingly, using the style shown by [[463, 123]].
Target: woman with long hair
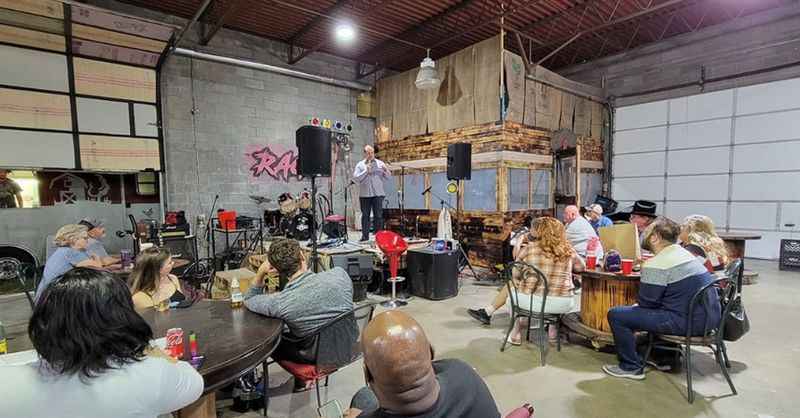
[[71, 240], [546, 248], [152, 281], [95, 358], [700, 238]]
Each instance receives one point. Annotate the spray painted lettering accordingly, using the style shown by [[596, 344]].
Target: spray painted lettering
[[276, 163]]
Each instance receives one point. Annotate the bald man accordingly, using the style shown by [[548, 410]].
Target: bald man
[[404, 381], [580, 231], [370, 174]]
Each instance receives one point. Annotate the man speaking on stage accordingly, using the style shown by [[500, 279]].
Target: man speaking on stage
[[370, 174]]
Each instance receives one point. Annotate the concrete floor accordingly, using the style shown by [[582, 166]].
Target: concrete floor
[[766, 364]]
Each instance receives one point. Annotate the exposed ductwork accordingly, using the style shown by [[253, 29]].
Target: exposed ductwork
[[271, 68]]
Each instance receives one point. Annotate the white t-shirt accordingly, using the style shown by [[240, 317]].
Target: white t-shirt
[[579, 232], [144, 389]]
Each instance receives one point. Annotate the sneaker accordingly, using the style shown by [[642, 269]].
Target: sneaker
[[659, 367], [616, 371], [480, 315]]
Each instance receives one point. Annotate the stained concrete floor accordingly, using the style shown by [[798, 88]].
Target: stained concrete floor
[[766, 364]]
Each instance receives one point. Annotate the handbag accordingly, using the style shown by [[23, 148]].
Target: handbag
[[737, 324]]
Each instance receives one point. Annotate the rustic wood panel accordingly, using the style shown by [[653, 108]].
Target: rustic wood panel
[[548, 106], [597, 120], [515, 84], [114, 53], [119, 154], [27, 109], [402, 84], [583, 117], [105, 79], [108, 20], [531, 88], [487, 80], [417, 122], [599, 295], [36, 39], [439, 106], [567, 111], [32, 22], [49, 8], [461, 89], [591, 148], [116, 38]]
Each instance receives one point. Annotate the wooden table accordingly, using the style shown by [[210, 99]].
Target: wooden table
[[601, 291], [736, 245]]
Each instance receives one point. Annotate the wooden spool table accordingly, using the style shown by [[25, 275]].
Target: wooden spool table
[[736, 245], [601, 291]]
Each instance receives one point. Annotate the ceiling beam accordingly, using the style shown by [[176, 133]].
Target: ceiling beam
[[336, 8], [202, 9], [231, 10], [561, 44]]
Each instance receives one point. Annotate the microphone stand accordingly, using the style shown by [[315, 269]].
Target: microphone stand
[[460, 247], [209, 224]]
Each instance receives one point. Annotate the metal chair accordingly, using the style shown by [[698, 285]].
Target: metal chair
[[545, 319], [712, 337], [336, 345], [29, 275]]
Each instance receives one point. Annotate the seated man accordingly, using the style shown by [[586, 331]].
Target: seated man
[[404, 381], [95, 247], [308, 301], [597, 219], [669, 281], [580, 232], [642, 215]]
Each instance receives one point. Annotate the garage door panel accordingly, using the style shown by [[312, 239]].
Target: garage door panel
[[639, 140], [769, 97], [697, 188], [678, 109], [649, 188], [710, 105], [790, 214], [767, 157], [705, 161], [646, 164], [766, 186], [768, 127], [757, 215], [700, 134], [641, 116], [717, 211]]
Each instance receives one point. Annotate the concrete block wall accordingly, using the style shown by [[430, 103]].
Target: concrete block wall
[[746, 45], [214, 114]]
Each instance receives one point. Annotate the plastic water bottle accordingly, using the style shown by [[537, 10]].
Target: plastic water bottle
[[3, 342], [237, 299]]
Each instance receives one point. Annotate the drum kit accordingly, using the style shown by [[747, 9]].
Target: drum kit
[[293, 218]]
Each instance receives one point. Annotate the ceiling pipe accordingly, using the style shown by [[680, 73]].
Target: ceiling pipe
[[271, 68]]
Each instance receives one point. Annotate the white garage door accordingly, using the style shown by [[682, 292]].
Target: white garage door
[[733, 155]]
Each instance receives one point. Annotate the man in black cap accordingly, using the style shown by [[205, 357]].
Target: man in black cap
[[642, 215]]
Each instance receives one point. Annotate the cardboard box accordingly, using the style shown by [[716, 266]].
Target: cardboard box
[[222, 280]]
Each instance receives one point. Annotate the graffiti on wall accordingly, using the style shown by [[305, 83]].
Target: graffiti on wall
[[271, 162]]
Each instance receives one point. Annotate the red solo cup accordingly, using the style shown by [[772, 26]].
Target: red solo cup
[[591, 262], [627, 266]]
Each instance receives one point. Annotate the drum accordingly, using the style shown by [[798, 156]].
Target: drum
[[287, 204], [285, 227], [272, 220], [301, 226], [304, 202]]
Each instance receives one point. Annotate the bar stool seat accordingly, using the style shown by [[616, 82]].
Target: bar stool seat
[[393, 246]]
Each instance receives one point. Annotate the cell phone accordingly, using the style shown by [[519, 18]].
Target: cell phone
[[331, 409]]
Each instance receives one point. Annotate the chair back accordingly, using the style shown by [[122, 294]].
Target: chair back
[[29, 275], [712, 293], [392, 245], [49, 246], [525, 270], [338, 343], [735, 272]]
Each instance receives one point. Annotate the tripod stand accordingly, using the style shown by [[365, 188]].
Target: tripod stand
[[456, 234]]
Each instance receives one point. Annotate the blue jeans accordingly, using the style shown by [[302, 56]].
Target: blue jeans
[[374, 205], [625, 320]]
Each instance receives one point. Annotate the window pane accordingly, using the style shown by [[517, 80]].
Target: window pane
[[480, 193], [439, 187], [541, 189], [517, 189], [591, 186], [390, 188], [413, 187], [146, 189]]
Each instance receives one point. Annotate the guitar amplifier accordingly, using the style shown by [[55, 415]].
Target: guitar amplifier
[[432, 274]]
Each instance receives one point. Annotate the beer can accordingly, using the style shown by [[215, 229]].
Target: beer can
[[175, 342]]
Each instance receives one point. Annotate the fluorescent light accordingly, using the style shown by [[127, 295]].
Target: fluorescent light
[[345, 33]]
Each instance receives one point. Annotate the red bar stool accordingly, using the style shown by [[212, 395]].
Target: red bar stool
[[393, 246]]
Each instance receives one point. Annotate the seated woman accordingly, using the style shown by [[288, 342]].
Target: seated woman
[[71, 240], [699, 237], [95, 358], [152, 281], [548, 250]]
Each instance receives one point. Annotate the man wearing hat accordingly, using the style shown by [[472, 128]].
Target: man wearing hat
[[97, 231], [596, 217], [642, 215], [10, 191]]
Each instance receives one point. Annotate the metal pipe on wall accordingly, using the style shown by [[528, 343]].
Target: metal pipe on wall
[[271, 68]]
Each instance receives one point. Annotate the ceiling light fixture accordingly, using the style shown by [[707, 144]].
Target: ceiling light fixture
[[428, 77], [345, 33]]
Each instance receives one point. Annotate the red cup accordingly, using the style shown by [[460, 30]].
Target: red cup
[[627, 266], [591, 262]]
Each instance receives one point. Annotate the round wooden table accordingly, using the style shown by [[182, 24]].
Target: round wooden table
[[601, 291], [736, 242]]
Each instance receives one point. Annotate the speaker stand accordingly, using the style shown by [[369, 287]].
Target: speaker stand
[[457, 234], [314, 263]]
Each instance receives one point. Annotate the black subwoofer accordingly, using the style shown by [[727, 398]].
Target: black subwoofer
[[432, 274], [313, 151], [459, 161]]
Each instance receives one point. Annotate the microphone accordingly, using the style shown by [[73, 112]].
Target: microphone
[[427, 190]]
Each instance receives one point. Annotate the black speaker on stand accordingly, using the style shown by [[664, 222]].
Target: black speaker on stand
[[459, 167], [314, 160]]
